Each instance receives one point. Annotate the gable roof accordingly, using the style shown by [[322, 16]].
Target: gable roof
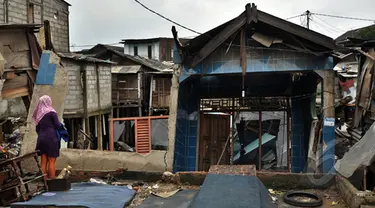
[[293, 35], [364, 33]]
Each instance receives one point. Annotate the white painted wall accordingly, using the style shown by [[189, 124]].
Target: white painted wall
[[143, 49]]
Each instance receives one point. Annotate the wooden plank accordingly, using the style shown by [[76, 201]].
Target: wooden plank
[[296, 30], [16, 60], [216, 41], [100, 133]]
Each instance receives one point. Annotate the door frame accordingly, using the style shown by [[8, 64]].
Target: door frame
[[199, 134]]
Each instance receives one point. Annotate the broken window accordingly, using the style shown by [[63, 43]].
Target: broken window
[[271, 128], [149, 50], [159, 134], [135, 50]]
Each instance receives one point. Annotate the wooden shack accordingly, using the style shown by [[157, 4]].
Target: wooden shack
[[140, 86]]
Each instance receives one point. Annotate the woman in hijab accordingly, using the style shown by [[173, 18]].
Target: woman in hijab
[[48, 144]]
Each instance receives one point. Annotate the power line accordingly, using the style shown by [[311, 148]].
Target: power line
[[162, 16], [300, 15], [338, 29], [343, 17], [322, 27]]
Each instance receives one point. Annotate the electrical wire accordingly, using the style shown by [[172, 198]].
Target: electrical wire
[[344, 17], [336, 28], [166, 18], [300, 15], [322, 28]]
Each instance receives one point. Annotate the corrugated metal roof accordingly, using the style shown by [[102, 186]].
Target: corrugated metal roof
[[80, 57], [126, 69]]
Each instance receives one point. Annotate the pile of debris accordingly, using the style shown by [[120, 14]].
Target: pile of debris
[[11, 146], [346, 137]]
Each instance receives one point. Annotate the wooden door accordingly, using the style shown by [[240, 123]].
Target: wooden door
[[214, 132]]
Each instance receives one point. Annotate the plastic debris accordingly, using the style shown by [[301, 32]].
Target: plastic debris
[[97, 180]]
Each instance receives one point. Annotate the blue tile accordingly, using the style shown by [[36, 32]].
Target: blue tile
[[46, 72], [192, 141], [296, 151], [193, 131], [192, 152], [191, 161]]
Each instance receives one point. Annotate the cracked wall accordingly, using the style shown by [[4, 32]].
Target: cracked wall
[[93, 160]]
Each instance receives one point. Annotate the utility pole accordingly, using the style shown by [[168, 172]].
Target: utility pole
[[308, 16]]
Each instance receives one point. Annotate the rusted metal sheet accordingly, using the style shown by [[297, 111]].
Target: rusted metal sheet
[[249, 170], [364, 89]]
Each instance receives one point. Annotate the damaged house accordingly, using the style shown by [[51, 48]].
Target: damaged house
[[140, 86], [246, 95], [19, 62], [87, 103]]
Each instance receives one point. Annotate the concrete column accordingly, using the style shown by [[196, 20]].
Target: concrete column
[[173, 106], [328, 157]]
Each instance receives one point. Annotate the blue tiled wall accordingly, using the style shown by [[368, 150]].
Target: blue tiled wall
[[301, 125], [186, 127]]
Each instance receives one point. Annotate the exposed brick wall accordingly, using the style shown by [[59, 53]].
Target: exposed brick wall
[[18, 13], [59, 26], [74, 95], [105, 87]]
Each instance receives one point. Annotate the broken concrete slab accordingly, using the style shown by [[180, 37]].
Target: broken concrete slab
[[92, 160], [57, 92]]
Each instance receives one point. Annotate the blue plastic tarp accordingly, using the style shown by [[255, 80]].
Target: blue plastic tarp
[[234, 191], [91, 195]]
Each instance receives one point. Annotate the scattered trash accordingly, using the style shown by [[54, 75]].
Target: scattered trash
[[12, 145], [97, 180], [271, 191], [166, 194], [156, 186], [169, 177], [64, 174], [49, 194], [334, 203], [129, 187]]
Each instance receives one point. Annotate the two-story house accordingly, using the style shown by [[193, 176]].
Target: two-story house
[[160, 49], [35, 12]]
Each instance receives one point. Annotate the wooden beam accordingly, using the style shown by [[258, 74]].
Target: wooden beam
[[216, 41], [243, 57], [260, 141], [100, 133], [296, 30], [251, 13], [48, 36]]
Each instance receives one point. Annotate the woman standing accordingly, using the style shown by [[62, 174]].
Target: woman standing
[[48, 144]]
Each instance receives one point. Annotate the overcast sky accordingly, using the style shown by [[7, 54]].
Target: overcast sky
[[99, 21]]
